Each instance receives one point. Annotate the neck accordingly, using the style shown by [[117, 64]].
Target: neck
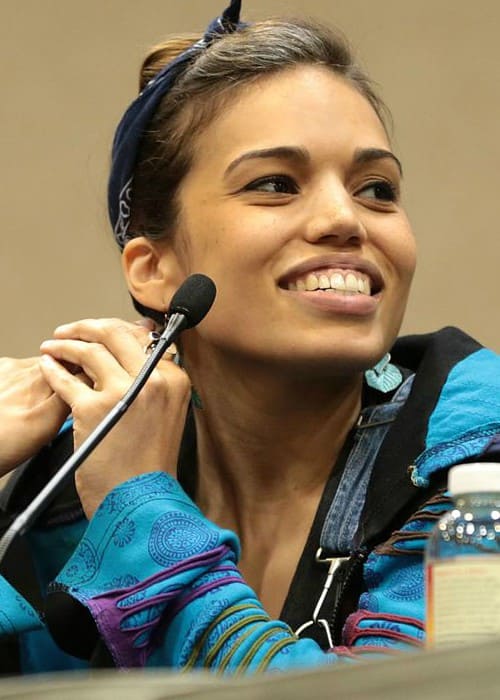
[[267, 443]]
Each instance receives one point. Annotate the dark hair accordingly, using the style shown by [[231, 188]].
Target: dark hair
[[213, 77]]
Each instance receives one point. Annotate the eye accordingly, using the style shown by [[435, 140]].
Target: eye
[[274, 184], [380, 190]]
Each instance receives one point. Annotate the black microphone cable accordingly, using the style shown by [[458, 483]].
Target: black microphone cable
[[189, 305]]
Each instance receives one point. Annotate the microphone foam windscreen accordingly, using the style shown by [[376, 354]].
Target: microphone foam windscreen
[[194, 298]]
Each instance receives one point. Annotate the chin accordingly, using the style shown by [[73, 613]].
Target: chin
[[359, 348]]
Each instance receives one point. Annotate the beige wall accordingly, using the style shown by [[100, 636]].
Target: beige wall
[[68, 69]]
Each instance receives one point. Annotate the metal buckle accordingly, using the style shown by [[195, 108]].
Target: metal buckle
[[333, 565]]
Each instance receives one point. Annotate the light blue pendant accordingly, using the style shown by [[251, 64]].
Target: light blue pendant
[[384, 376]]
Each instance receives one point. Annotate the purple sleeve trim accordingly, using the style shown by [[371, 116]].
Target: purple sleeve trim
[[114, 610], [342, 651], [493, 447], [353, 631], [181, 603]]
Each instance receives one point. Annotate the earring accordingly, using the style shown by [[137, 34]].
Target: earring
[[384, 376], [196, 399]]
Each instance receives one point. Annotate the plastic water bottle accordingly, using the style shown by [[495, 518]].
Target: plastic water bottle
[[463, 560]]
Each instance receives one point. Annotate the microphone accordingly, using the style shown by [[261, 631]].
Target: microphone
[[193, 299], [189, 305]]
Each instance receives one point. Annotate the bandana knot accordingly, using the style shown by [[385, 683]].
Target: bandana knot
[[128, 135]]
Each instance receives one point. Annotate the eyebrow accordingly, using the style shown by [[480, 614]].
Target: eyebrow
[[302, 156], [291, 153], [366, 155]]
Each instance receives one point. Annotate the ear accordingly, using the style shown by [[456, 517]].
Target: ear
[[152, 272]]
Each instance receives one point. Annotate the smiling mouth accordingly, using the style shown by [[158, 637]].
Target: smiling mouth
[[347, 282]]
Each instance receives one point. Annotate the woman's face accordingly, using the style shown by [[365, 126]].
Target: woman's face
[[292, 206]]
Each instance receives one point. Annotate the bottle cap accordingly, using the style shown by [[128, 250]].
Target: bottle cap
[[479, 477]]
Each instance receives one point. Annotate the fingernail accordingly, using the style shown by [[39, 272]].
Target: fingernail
[[62, 327], [147, 323]]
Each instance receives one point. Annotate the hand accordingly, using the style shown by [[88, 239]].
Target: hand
[[110, 354], [30, 412]]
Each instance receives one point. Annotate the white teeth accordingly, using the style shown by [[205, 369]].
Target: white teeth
[[337, 281], [351, 282], [324, 282], [347, 282], [311, 283]]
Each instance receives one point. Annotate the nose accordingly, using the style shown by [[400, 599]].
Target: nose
[[334, 217]]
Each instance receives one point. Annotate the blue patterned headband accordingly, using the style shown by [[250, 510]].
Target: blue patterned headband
[[134, 122]]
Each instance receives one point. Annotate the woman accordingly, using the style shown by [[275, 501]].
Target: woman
[[258, 156]]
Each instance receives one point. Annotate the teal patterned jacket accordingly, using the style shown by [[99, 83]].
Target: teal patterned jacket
[[159, 584]]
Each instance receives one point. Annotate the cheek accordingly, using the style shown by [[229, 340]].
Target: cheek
[[400, 250], [404, 261], [235, 249], [409, 257]]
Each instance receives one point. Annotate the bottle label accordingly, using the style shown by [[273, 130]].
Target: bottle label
[[463, 600]]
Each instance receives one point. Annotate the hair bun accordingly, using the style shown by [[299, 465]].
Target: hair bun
[[163, 53]]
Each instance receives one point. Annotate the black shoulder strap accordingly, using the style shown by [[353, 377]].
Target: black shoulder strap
[[390, 492]]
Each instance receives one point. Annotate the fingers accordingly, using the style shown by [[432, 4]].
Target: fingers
[[170, 353], [110, 354], [55, 407], [23, 377], [125, 341], [103, 354], [10, 364], [70, 388], [146, 323], [93, 358], [25, 390]]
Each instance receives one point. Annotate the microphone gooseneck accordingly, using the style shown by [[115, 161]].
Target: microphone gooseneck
[[190, 304]]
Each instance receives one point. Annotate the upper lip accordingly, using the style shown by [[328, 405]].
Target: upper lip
[[345, 261]]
